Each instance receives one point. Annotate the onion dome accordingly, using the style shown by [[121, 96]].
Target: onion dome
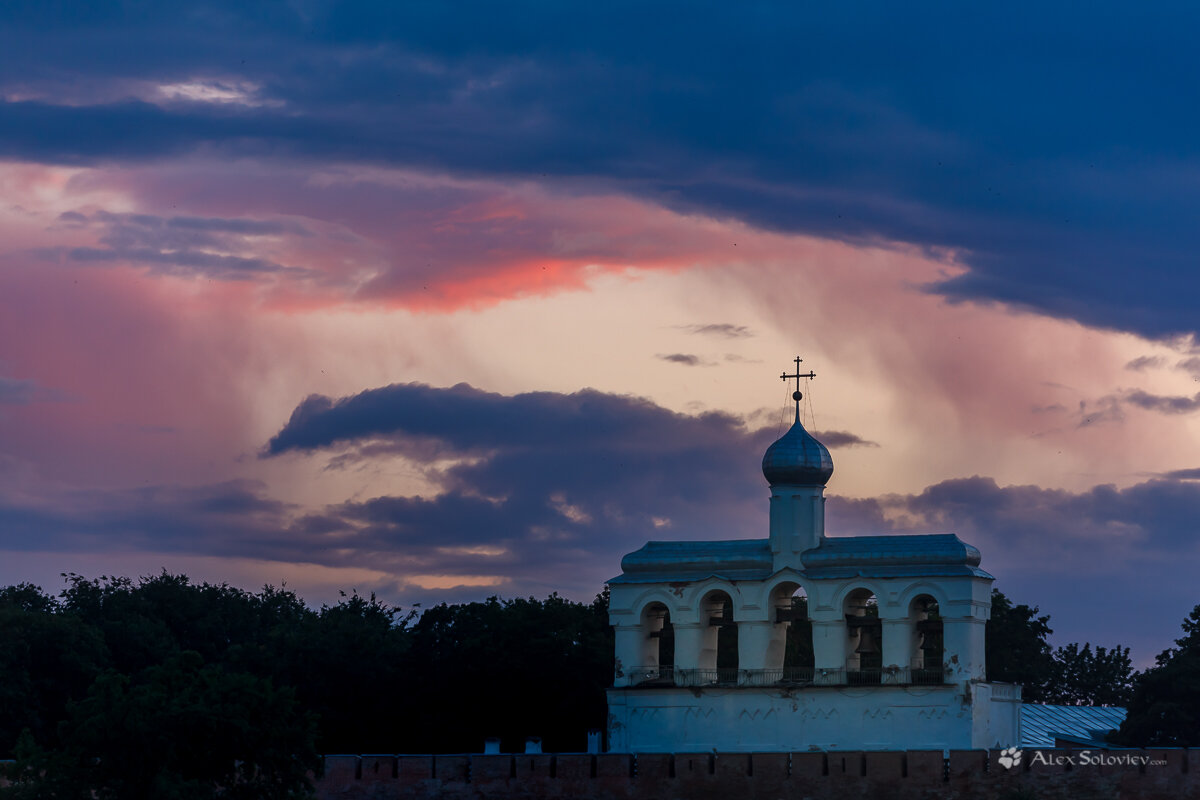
[[797, 459]]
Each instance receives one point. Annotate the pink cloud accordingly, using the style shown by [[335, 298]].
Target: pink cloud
[[188, 266], [178, 314], [151, 379], [427, 243]]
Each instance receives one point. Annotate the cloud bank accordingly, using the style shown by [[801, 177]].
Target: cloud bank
[[1060, 174], [545, 490]]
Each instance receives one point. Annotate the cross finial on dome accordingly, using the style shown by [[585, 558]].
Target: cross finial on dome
[[796, 458], [797, 395]]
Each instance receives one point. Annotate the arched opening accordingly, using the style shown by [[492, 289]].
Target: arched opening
[[658, 646], [719, 658], [792, 646], [864, 640], [928, 646]]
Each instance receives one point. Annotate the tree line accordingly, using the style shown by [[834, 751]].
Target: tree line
[[165, 688]]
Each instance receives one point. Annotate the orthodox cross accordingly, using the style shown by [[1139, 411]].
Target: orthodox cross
[[796, 395]]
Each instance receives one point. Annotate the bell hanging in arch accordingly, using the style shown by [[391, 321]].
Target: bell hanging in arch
[[866, 642]]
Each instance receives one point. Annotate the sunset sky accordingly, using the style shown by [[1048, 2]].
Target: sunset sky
[[444, 300]]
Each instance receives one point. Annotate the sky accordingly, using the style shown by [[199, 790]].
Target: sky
[[446, 300]]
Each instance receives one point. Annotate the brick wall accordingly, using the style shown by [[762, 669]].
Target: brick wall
[[911, 775]]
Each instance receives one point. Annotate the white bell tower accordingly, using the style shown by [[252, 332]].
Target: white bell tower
[[797, 467]]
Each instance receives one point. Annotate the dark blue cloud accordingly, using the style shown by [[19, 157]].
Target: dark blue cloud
[[684, 359], [1053, 149], [565, 484], [1192, 474], [1191, 365], [550, 490], [1110, 564], [1142, 363], [22, 391], [566, 497], [16, 392], [726, 330], [180, 261], [244, 227], [1164, 404], [177, 245], [554, 488], [836, 439], [233, 518], [470, 420]]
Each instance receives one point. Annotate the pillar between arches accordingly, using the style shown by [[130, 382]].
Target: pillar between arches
[[689, 646], [628, 640], [899, 643], [829, 644], [754, 643]]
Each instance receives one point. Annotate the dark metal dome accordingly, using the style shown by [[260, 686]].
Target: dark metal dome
[[798, 459]]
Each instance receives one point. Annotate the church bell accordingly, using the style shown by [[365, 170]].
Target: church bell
[[866, 642]]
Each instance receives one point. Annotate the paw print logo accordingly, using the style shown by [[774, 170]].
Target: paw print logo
[[1009, 757]]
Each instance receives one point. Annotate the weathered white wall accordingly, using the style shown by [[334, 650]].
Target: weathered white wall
[[827, 718]]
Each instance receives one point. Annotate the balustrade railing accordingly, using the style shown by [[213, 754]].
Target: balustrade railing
[[653, 676], [795, 676], [649, 677], [927, 676], [867, 677]]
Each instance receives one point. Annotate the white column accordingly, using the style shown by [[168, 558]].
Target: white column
[[897, 646], [628, 653], [829, 645], [754, 640], [777, 646], [709, 642], [689, 641]]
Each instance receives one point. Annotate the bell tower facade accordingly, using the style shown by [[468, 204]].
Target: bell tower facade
[[803, 640]]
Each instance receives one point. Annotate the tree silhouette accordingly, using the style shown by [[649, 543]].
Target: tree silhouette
[[1165, 708]]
